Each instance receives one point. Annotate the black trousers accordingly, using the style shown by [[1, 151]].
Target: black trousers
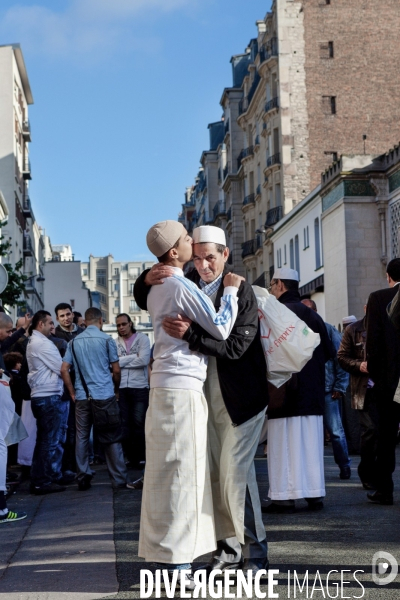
[[133, 404], [388, 426], [369, 420]]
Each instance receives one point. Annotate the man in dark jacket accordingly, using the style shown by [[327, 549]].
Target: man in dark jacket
[[67, 330], [383, 360], [295, 415], [352, 358], [237, 395]]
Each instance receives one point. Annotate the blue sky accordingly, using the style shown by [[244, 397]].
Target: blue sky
[[124, 91]]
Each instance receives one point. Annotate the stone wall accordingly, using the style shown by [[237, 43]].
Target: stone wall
[[293, 103]]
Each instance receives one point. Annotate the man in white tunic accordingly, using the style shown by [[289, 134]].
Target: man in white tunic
[[236, 391], [177, 521], [295, 414]]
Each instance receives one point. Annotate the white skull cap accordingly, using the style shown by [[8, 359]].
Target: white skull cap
[[209, 234], [285, 273]]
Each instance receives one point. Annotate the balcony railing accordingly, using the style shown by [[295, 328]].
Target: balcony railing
[[258, 190], [26, 172], [275, 159], [27, 246], [245, 153], [273, 103], [245, 102], [273, 216], [249, 199], [26, 131], [27, 208], [253, 88], [269, 50], [219, 209], [248, 248], [202, 184]]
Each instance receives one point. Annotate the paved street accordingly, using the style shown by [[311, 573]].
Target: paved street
[[65, 549]]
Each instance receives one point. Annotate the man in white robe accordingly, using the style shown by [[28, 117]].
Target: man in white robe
[[295, 414], [177, 520]]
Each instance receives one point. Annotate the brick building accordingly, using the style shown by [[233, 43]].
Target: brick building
[[321, 79]]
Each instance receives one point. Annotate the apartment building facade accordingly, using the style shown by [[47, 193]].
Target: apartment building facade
[[307, 90], [114, 282], [21, 229]]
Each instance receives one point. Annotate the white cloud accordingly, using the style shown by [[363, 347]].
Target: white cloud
[[87, 29]]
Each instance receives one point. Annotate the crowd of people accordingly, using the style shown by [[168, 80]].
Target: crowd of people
[[60, 387], [193, 408]]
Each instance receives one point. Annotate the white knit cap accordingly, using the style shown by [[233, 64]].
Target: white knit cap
[[285, 273], [209, 234]]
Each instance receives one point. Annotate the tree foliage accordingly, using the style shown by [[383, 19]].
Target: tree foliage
[[16, 279]]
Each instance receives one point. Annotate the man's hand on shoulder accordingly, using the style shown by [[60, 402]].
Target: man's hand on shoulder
[[157, 274], [231, 279], [176, 327]]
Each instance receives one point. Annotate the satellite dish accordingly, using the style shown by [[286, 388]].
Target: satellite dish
[[3, 279]]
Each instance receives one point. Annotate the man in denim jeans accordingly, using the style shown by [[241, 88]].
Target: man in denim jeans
[[336, 383], [44, 362], [94, 353]]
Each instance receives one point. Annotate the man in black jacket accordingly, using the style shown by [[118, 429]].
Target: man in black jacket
[[295, 414], [383, 363], [67, 330], [237, 395]]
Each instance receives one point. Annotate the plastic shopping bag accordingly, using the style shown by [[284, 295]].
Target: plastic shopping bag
[[287, 341]]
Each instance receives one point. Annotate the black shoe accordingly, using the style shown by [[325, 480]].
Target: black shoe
[[379, 498], [369, 485], [65, 480], [255, 565], [281, 509], [345, 473], [84, 483], [319, 505], [221, 565], [41, 490], [135, 485]]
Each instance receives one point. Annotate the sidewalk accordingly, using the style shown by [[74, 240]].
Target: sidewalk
[[65, 549]]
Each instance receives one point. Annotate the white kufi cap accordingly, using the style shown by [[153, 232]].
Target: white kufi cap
[[209, 234], [285, 273]]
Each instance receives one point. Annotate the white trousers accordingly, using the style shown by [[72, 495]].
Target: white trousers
[[27, 446], [231, 458], [177, 520], [296, 458], [7, 410]]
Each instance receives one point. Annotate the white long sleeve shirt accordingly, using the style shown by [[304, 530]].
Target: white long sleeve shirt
[[175, 365], [44, 363]]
